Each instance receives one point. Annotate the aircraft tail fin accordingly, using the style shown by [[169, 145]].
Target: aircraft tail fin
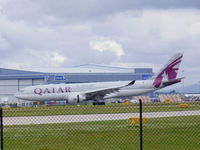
[[169, 71]]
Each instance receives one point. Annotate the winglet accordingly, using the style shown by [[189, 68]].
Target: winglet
[[132, 82]]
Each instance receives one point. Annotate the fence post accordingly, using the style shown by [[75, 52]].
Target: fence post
[[1, 126], [141, 135]]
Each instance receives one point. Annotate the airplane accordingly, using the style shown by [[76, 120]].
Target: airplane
[[79, 92]]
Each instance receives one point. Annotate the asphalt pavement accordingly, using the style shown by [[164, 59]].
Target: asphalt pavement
[[90, 117]]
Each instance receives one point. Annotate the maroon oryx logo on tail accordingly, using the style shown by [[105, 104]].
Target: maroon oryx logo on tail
[[169, 72]]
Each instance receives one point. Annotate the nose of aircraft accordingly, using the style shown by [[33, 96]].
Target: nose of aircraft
[[18, 95]]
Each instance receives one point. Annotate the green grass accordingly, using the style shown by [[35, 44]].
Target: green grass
[[90, 109], [174, 133]]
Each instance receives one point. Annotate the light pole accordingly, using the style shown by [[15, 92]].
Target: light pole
[[199, 87], [183, 82]]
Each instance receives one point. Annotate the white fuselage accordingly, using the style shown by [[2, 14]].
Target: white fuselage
[[63, 91]]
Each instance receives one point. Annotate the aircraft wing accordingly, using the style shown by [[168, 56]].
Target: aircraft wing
[[104, 91]]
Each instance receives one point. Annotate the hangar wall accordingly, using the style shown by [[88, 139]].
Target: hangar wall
[[9, 87], [91, 77]]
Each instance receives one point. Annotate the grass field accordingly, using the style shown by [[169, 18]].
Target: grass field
[[174, 133], [90, 109]]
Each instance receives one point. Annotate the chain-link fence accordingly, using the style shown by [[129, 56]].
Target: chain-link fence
[[166, 126]]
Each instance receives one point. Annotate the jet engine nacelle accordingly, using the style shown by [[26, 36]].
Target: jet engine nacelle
[[75, 98]]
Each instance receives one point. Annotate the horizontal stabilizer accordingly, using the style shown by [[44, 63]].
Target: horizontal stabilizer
[[167, 83]]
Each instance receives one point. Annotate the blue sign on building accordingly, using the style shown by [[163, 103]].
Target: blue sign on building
[[146, 77], [59, 78]]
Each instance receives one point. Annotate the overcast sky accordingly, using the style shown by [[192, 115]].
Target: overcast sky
[[127, 33]]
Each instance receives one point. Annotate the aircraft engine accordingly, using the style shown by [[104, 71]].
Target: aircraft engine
[[75, 98]]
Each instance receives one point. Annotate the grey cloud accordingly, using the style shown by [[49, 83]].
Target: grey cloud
[[77, 11]]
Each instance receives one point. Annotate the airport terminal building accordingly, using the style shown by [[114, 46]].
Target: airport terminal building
[[12, 81]]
